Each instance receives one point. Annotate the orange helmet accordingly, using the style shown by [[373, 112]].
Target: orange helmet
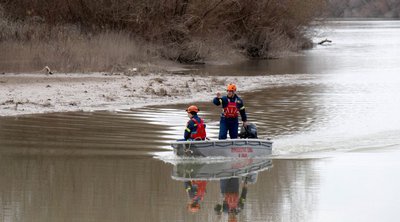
[[231, 87], [192, 108], [232, 218], [193, 207]]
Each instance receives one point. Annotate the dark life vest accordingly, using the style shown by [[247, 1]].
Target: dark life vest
[[231, 110], [200, 132]]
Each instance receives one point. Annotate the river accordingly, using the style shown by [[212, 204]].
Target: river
[[333, 115]]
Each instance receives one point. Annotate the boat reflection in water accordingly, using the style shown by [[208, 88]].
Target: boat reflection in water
[[233, 175], [218, 169]]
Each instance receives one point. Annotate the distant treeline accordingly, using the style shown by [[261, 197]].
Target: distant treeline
[[364, 8], [184, 28]]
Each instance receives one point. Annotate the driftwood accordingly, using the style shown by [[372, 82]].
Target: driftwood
[[47, 70], [324, 41]]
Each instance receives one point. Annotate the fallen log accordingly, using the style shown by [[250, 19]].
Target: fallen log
[[324, 41]]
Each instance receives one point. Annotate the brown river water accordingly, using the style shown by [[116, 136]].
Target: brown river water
[[334, 119]]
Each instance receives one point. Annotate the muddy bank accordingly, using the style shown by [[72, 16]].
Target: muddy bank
[[39, 93]]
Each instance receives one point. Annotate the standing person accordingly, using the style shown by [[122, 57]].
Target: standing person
[[232, 105], [195, 127]]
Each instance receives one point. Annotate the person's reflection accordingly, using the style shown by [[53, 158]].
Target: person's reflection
[[232, 199], [196, 189]]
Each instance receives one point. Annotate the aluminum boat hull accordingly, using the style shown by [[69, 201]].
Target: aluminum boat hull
[[247, 148]]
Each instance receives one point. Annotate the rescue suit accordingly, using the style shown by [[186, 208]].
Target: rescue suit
[[195, 129], [231, 108]]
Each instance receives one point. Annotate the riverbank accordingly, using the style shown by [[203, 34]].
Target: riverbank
[[22, 94]]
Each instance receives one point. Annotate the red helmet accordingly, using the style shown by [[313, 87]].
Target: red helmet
[[192, 108], [231, 87]]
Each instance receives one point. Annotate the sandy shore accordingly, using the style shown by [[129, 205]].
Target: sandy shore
[[22, 94]]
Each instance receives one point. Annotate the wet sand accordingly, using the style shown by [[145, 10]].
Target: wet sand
[[38, 93]]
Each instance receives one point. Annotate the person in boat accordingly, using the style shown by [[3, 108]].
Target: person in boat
[[232, 106], [196, 189], [195, 127]]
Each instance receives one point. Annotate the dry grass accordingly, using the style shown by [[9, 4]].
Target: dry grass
[[66, 49], [103, 52]]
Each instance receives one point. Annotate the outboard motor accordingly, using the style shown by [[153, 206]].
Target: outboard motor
[[250, 131]]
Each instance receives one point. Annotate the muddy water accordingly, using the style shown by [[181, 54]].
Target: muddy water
[[334, 121]]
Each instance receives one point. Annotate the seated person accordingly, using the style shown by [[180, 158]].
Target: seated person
[[195, 127]]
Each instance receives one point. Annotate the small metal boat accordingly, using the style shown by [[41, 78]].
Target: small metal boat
[[247, 148]]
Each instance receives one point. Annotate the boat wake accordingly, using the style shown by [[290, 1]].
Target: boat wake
[[319, 144]]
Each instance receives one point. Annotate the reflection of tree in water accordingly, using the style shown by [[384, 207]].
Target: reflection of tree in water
[[89, 188], [81, 130]]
